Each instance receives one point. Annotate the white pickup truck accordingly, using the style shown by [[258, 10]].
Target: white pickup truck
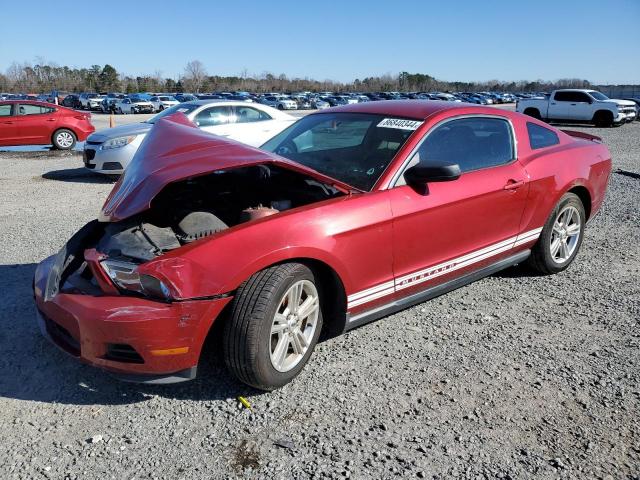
[[577, 105]]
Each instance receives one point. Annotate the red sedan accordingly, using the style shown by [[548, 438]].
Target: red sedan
[[347, 216], [25, 122]]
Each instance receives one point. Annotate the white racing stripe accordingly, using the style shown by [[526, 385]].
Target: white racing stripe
[[421, 276]]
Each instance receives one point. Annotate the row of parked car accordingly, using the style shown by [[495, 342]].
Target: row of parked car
[[121, 103]]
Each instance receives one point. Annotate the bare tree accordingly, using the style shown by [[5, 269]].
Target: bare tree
[[194, 75]]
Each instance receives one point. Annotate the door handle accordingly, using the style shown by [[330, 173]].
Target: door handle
[[553, 103], [8, 122], [513, 184], [51, 120]]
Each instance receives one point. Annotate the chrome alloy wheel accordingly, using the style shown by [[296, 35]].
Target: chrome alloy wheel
[[64, 139], [565, 234], [294, 325]]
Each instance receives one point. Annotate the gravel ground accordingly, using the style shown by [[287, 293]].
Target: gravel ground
[[515, 376]]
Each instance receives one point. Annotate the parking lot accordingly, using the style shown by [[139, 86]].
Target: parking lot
[[514, 376]]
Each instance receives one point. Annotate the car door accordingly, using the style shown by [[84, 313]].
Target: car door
[[36, 123], [580, 107], [8, 124], [559, 105], [451, 228], [216, 119]]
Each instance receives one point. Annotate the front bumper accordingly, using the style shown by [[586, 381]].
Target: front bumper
[[145, 109], [623, 117], [167, 337]]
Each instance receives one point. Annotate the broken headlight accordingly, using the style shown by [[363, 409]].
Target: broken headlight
[[125, 276]]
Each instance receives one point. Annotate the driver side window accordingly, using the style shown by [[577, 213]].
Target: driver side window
[[473, 143]]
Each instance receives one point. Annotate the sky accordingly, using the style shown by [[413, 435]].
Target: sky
[[462, 40]]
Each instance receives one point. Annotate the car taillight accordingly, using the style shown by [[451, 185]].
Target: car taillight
[[83, 116]]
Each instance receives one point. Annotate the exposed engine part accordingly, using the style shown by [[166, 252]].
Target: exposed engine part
[[198, 225], [199, 207], [253, 213], [142, 242]]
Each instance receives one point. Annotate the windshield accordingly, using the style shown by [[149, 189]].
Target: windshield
[[353, 148], [167, 99], [599, 96], [185, 108]]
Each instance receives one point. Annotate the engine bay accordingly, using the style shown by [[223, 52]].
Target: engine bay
[[198, 207]]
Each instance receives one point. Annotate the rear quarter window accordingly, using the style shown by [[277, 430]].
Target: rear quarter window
[[541, 137]]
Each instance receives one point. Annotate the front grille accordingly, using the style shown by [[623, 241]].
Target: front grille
[[121, 352], [61, 336]]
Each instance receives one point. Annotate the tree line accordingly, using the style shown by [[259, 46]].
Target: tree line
[[45, 77]]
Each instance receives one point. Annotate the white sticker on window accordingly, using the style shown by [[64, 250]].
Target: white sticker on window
[[400, 123]]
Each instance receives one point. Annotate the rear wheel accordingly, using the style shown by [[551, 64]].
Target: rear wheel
[[561, 236], [274, 326], [63, 139], [533, 112]]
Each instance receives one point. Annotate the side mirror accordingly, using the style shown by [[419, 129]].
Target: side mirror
[[422, 173]]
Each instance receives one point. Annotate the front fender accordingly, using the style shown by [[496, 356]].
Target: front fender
[[351, 235], [188, 278]]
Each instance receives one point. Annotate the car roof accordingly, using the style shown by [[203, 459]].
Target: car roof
[[34, 102], [417, 109]]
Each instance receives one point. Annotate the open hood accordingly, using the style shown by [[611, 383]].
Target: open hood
[[175, 149]]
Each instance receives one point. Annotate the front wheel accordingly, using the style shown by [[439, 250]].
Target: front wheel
[[561, 236], [603, 119], [63, 139], [533, 112], [274, 326]]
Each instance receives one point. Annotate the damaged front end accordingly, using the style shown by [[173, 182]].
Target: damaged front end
[[177, 192]]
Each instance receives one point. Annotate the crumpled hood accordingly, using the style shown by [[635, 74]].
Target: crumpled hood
[[121, 131], [175, 149]]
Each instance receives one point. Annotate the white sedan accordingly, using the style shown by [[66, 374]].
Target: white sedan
[[161, 102], [110, 151]]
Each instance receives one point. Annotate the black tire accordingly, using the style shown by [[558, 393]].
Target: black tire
[[247, 332], [603, 119], [533, 112], [63, 139], [541, 259], [161, 108], [280, 107]]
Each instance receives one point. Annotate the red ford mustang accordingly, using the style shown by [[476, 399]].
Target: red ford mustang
[[25, 122], [349, 215]]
